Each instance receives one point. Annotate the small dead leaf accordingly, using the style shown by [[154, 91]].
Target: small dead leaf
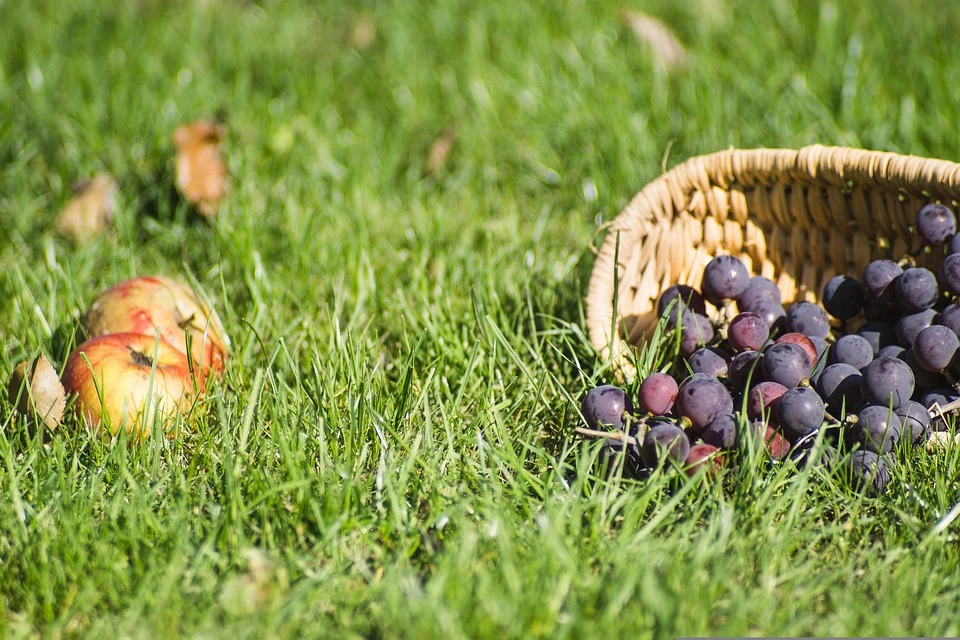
[[363, 32], [39, 390], [942, 440], [201, 173], [89, 211], [439, 152], [258, 588], [656, 35]]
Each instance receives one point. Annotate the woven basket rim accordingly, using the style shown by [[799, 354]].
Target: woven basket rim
[[690, 186]]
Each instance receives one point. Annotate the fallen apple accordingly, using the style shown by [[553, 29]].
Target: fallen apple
[[152, 304], [36, 389], [201, 173], [128, 381]]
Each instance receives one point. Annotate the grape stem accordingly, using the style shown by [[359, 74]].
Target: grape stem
[[610, 435], [937, 411]]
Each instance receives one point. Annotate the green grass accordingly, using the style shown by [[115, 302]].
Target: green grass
[[390, 453]]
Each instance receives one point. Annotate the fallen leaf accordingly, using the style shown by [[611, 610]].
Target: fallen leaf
[[656, 35], [201, 173], [942, 440], [439, 152], [89, 211], [258, 588], [363, 32], [39, 390]]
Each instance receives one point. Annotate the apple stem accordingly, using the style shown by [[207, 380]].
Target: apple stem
[[140, 358]]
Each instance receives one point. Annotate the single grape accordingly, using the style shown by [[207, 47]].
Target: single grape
[[776, 444], [695, 332], [786, 363], [804, 342], [701, 399], [877, 428], [935, 224], [748, 331], [808, 318], [724, 278], [839, 387], [703, 455], [800, 412], [710, 360], [762, 400], [950, 273], [953, 245], [950, 317], [722, 432], [867, 471], [665, 442], [910, 324], [771, 312], [935, 348], [605, 406], [915, 421], [615, 455], [888, 382], [686, 297], [853, 350], [843, 297], [744, 369], [657, 393], [878, 334], [891, 351], [922, 377], [878, 280], [917, 289], [882, 311], [759, 288]]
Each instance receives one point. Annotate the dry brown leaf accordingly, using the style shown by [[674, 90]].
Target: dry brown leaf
[[201, 173], [89, 211], [942, 440], [363, 32], [656, 35], [39, 390], [439, 152]]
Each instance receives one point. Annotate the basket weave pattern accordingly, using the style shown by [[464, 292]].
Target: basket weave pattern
[[799, 217]]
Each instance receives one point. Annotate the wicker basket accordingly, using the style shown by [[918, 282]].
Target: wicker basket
[[796, 216]]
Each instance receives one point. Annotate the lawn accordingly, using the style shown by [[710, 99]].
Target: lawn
[[391, 451]]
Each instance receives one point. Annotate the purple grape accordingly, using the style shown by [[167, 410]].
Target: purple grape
[[935, 224], [605, 406], [710, 360], [748, 331], [888, 382], [922, 378], [665, 442], [877, 428], [744, 369], [935, 348], [950, 273], [950, 317], [759, 288], [853, 350], [878, 280], [722, 432], [701, 399], [910, 324], [771, 312], [891, 351], [724, 278], [878, 334], [657, 393], [843, 297], [915, 421], [953, 245], [695, 332], [868, 471], [882, 311], [800, 412], [762, 400], [809, 319], [917, 289], [839, 387], [786, 363], [802, 341], [687, 298]]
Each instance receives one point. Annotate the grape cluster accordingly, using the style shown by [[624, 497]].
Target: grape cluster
[[865, 368]]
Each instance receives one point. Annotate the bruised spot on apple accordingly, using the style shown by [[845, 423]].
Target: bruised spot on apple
[[130, 382], [153, 304]]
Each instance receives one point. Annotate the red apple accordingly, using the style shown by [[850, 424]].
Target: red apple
[[152, 304], [128, 381]]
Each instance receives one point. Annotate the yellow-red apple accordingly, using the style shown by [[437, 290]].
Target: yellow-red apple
[[128, 381], [152, 304]]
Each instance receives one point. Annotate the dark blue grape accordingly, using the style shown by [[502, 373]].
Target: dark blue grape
[[917, 289], [935, 348], [878, 334], [759, 288], [786, 363], [950, 317], [710, 360], [888, 382], [868, 471], [843, 297], [950, 273], [748, 331], [665, 442], [724, 278], [877, 428], [686, 297], [771, 312], [605, 406], [915, 421], [883, 311], [953, 245], [744, 369], [878, 280], [839, 387], [657, 393], [808, 318], [722, 432], [800, 412], [922, 378], [695, 332], [891, 351], [910, 324], [851, 349], [935, 224], [701, 399]]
